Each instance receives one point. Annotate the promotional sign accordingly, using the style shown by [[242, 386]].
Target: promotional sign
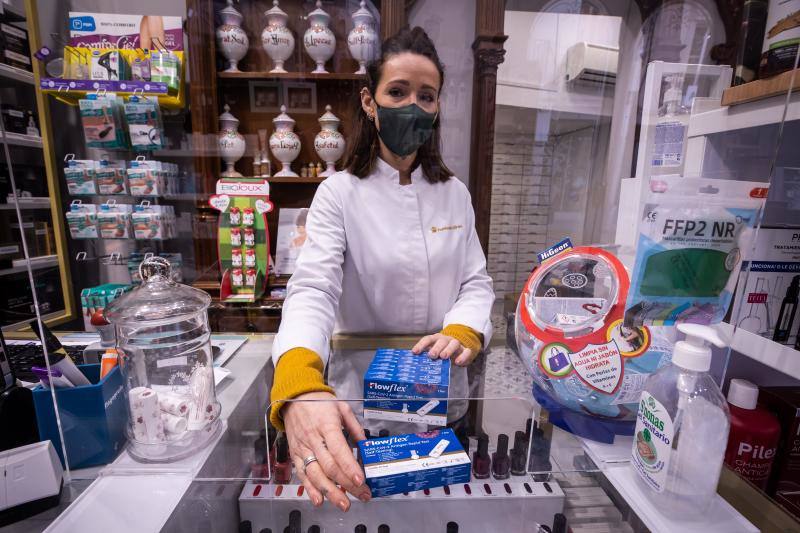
[[243, 237]]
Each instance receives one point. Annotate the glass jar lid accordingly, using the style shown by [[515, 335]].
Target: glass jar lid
[[158, 298]]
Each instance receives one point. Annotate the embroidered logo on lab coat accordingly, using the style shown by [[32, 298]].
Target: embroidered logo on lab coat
[[434, 229]]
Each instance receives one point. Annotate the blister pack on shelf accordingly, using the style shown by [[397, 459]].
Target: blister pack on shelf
[[101, 116], [153, 221], [146, 178], [80, 176], [114, 220], [111, 177], [82, 220], [144, 123]]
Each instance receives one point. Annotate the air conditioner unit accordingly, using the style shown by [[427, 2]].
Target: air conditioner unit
[[592, 63]]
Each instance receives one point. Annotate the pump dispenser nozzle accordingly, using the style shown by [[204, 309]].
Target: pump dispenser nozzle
[[693, 353]]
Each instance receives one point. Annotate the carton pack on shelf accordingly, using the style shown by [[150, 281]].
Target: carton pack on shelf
[[773, 263], [413, 461], [15, 47], [404, 387], [785, 403]]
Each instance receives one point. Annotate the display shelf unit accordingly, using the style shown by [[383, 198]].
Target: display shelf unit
[[12, 12], [17, 139], [753, 114], [276, 179], [27, 203], [758, 89], [36, 263], [266, 75], [16, 74], [780, 357]]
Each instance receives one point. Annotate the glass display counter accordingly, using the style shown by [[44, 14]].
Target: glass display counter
[[199, 132]]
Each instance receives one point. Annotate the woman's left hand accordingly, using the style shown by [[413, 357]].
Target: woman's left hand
[[444, 347]]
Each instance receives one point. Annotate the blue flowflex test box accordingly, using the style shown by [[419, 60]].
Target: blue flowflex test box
[[414, 461], [404, 387]]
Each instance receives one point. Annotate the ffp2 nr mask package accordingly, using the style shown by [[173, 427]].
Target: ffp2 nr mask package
[[691, 235]]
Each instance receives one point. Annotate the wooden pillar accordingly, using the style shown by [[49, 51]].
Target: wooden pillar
[[202, 67], [488, 51], [393, 17]]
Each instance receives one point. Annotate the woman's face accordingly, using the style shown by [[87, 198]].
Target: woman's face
[[406, 78]]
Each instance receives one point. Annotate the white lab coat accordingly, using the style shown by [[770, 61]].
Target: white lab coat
[[385, 258]]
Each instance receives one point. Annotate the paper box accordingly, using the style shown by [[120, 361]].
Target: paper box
[[404, 387], [414, 461]]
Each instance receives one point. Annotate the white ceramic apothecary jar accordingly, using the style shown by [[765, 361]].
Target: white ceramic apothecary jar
[[362, 41], [232, 40], [276, 38], [231, 142], [284, 143], [329, 143], [319, 41], [166, 360]]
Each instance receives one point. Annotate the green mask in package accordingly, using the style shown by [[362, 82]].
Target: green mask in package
[[689, 272], [404, 129], [688, 254]]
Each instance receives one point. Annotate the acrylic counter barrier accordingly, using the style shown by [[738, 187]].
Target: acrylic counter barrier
[[225, 484]]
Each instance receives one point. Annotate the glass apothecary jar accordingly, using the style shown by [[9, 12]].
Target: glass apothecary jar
[[165, 355]]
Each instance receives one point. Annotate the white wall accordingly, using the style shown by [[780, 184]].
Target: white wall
[[451, 26]]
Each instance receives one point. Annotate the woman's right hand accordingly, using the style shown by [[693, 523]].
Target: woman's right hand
[[314, 428]]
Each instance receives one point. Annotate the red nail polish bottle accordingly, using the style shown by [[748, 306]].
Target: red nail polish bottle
[[481, 463], [501, 464], [282, 469]]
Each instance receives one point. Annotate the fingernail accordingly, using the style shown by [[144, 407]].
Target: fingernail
[[364, 498], [359, 480], [343, 506]]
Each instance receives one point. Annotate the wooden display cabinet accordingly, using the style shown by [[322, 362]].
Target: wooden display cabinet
[[212, 89]]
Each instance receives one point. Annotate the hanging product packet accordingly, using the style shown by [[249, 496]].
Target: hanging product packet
[[80, 175], [691, 236], [144, 123], [114, 220], [101, 116], [111, 177], [82, 220]]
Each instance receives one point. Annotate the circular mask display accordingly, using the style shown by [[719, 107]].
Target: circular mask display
[[571, 335]]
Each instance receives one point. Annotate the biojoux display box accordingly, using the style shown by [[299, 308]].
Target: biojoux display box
[[404, 387], [414, 461]]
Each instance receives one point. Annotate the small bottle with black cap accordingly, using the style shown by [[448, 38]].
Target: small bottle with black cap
[[295, 523], [481, 462], [501, 464], [519, 454], [282, 469], [559, 523], [360, 528], [383, 528], [452, 527]]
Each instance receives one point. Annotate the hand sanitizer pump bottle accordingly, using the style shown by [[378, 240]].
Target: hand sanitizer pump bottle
[[682, 429], [672, 124]]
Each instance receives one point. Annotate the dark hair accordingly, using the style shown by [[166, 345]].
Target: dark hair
[[364, 147]]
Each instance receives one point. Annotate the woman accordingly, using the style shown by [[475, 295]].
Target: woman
[[391, 248]]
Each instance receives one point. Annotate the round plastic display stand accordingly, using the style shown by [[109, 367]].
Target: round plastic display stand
[[581, 424]]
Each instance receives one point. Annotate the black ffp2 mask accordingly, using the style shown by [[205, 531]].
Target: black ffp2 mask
[[404, 129]]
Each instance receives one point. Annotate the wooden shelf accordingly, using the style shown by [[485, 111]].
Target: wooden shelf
[[265, 75], [17, 74], [294, 180], [17, 139], [756, 90]]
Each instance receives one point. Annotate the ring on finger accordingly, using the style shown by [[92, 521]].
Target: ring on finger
[[308, 460]]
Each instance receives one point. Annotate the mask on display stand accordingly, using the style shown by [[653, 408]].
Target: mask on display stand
[[588, 367]]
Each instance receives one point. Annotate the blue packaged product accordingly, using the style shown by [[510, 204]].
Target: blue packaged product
[[404, 387], [414, 461]]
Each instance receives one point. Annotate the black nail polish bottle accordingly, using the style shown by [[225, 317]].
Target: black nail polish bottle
[[540, 454], [559, 523], [361, 528], [519, 454], [383, 528], [245, 526], [452, 527], [294, 522], [481, 462], [314, 529], [383, 433]]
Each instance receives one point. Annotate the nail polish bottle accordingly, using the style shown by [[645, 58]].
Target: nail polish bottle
[[519, 454], [294, 522], [314, 529], [559, 523], [245, 526], [282, 469], [501, 464], [452, 527], [528, 423], [265, 530], [481, 462], [368, 435], [540, 454], [360, 528], [259, 468], [383, 528], [383, 433]]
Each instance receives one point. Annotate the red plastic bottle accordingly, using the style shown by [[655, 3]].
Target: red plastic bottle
[[753, 440]]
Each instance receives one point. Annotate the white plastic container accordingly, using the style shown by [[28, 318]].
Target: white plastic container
[[682, 429]]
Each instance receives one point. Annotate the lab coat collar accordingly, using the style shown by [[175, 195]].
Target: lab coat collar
[[385, 170]]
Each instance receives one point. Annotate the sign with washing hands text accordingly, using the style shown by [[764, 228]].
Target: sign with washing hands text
[[599, 366]]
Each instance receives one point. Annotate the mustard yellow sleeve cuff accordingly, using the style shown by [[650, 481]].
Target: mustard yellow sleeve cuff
[[468, 337], [299, 371]]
